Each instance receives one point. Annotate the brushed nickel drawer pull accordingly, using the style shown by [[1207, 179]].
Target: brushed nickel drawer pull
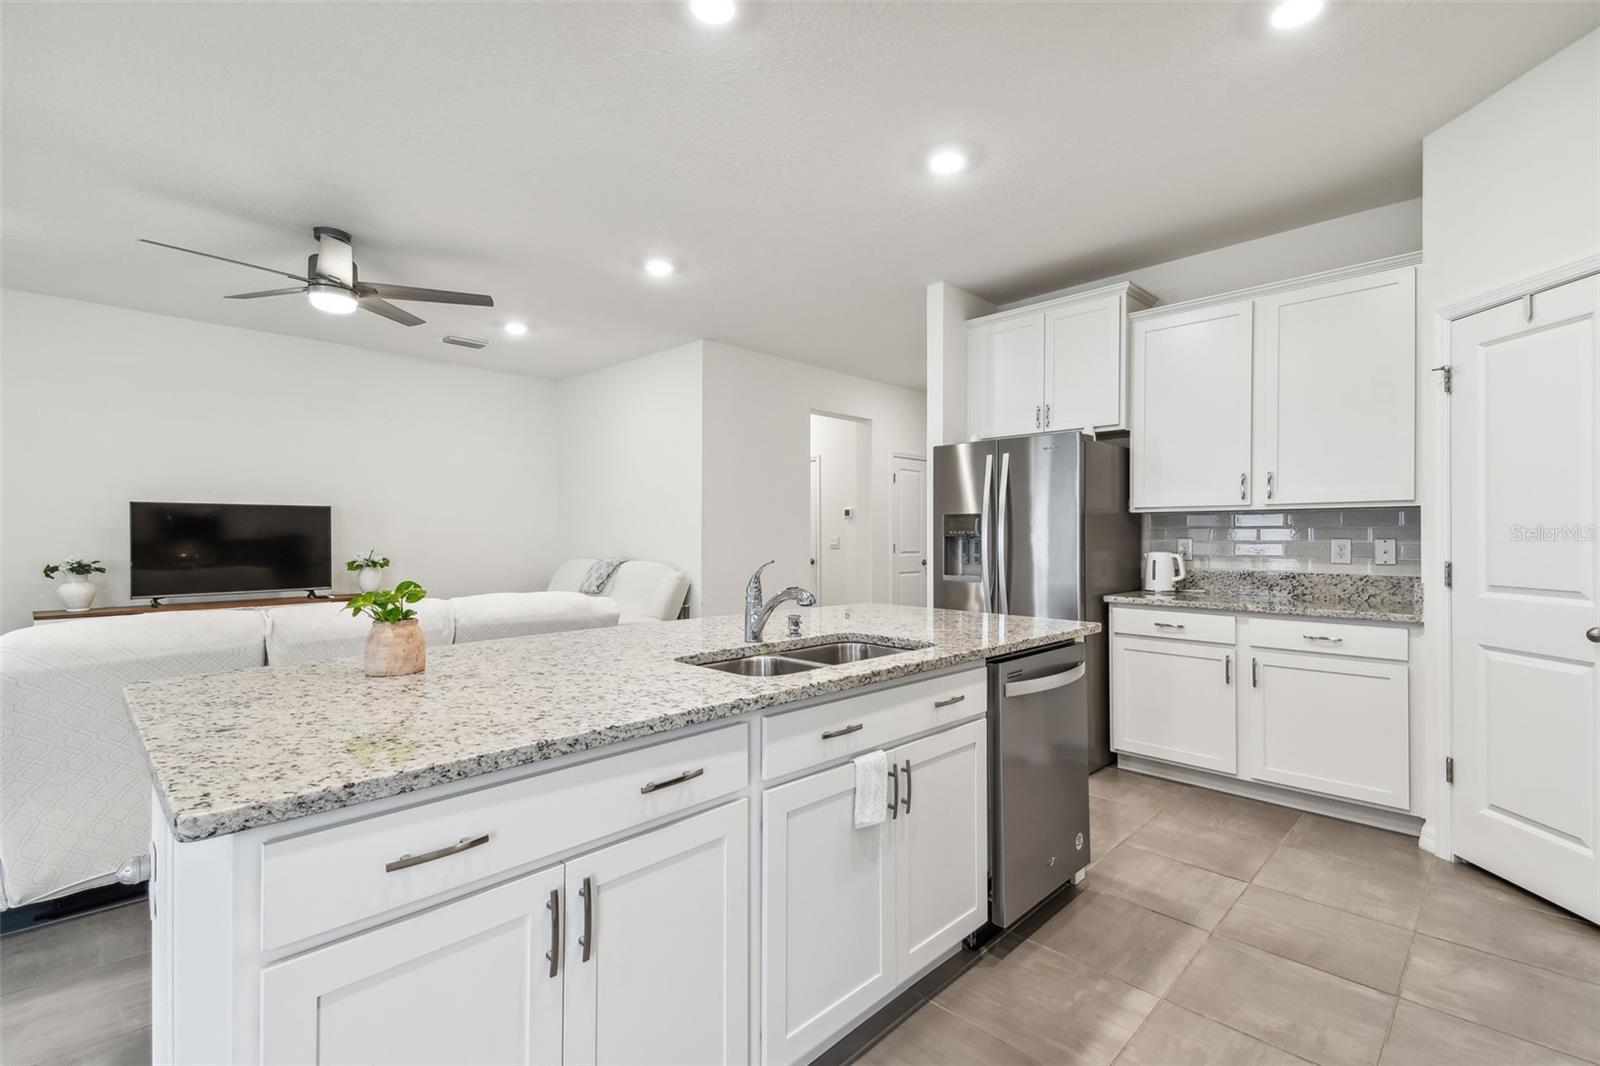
[[894, 791], [554, 907], [405, 862], [586, 941], [907, 800], [1169, 625], [1329, 640], [948, 702], [687, 775], [842, 731]]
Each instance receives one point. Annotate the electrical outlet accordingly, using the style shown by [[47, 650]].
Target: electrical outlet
[[1186, 547], [1383, 552], [1341, 551]]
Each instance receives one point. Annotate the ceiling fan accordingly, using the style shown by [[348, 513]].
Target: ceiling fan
[[331, 285]]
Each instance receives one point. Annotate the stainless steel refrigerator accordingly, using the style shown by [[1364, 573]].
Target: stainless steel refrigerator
[[1038, 525]]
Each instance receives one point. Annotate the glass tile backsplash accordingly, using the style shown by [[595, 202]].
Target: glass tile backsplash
[[1292, 541]]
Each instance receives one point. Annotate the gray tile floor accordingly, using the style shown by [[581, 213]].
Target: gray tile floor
[[1211, 929], [1214, 929]]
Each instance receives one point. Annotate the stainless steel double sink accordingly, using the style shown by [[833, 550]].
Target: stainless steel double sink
[[798, 660]]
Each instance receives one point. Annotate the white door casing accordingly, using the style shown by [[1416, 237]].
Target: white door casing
[[908, 517], [816, 525], [1525, 478]]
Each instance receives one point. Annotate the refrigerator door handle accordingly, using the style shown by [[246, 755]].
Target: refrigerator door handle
[[1002, 525], [1059, 679], [986, 535]]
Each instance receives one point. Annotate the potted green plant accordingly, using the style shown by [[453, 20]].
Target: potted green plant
[[368, 569], [395, 645], [77, 592]]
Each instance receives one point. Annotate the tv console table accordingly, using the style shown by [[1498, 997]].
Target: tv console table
[[163, 608]]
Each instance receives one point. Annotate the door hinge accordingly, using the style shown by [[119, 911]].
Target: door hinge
[[894, 479], [1449, 378], [1449, 575], [1449, 769]]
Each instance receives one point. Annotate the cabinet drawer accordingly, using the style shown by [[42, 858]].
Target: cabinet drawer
[[1328, 638], [1183, 625], [328, 878], [841, 729]]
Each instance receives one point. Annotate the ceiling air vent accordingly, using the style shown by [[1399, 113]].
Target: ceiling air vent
[[465, 342]]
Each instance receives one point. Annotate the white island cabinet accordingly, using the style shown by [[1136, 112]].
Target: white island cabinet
[[700, 895]]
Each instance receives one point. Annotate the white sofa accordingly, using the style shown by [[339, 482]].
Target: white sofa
[[645, 591], [74, 790]]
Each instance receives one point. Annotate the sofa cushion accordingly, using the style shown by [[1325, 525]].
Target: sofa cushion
[[570, 574], [308, 631], [73, 779], [495, 615], [645, 590]]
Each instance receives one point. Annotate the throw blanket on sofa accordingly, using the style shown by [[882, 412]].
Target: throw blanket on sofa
[[599, 575]]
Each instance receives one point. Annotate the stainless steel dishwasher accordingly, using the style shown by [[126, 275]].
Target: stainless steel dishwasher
[[1038, 777]]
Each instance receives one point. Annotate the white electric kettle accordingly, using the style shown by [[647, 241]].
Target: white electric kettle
[[1163, 571]]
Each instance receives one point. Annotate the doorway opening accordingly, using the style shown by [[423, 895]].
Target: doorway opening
[[841, 518]]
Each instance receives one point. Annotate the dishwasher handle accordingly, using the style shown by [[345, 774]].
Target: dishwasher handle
[[1059, 679]]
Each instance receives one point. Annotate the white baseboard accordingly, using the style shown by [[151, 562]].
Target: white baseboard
[[1394, 821]]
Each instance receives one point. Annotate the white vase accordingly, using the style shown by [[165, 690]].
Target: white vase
[[77, 593], [369, 578]]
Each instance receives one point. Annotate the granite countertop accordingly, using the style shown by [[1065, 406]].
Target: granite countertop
[[255, 747], [1240, 601]]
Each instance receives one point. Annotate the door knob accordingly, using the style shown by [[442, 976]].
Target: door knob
[[1594, 634]]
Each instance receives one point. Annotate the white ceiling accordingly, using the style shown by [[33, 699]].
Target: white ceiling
[[539, 152]]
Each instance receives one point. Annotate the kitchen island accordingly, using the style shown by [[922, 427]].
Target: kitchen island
[[573, 847]]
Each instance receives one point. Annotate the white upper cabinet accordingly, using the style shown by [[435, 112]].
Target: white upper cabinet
[[1336, 392], [1191, 409], [1298, 394], [1061, 364]]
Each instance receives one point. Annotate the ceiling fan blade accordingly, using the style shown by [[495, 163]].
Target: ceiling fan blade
[[264, 292], [433, 296], [225, 259], [388, 310]]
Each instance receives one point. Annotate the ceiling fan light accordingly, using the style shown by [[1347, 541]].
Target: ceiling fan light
[[332, 299]]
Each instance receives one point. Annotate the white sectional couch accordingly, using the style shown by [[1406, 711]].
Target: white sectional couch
[[74, 792]]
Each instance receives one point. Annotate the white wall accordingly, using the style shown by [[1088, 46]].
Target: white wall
[[449, 470], [755, 481], [948, 311], [1512, 187], [629, 441], [843, 447]]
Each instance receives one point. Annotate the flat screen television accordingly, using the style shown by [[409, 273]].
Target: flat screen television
[[191, 549]]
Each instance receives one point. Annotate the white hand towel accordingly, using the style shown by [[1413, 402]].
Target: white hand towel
[[872, 788]]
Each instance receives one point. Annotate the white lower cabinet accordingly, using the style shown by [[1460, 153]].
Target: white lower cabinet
[[1174, 700], [1323, 723], [852, 913], [651, 965], [465, 982]]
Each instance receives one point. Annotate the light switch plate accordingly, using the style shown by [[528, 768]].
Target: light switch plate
[[1186, 547], [1383, 552], [1341, 550], [833, 544]]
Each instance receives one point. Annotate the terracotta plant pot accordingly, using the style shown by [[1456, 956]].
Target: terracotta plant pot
[[396, 648]]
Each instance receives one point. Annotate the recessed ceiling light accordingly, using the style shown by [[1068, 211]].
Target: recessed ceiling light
[[516, 329], [713, 12], [947, 161], [658, 267], [1291, 13]]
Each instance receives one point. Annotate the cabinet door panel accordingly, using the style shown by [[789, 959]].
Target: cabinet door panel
[[1011, 356], [1174, 700], [1085, 368], [1338, 726], [667, 978], [829, 913], [1336, 396], [466, 982], [941, 841], [1190, 431]]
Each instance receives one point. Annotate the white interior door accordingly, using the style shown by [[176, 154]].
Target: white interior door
[[816, 524], [908, 516], [657, 955], [1525, 609], [466, 982]]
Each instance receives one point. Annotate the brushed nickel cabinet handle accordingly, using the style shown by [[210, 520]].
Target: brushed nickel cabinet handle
[[687, 775], [1244, 480], [894, 793], [405, 862], [1269, 484], [1227, 669], [586, 941], [1325, 640], [1169, 625], [1046, 416], [908, 786], [1037, 424], [553, 905], [1255, 675], [853, 727], [948, 702]]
